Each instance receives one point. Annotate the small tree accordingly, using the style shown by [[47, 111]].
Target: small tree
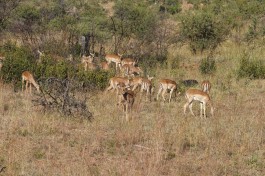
[[203, 31]]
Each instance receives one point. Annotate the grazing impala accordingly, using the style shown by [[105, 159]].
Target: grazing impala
[[164, 85], [114, 58], [135, 82], [27, 76], [116, 82], [128, 61], [206, 86], [197, 95], [130, 70], [126, 99]]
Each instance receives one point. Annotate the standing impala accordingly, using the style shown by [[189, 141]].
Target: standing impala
[[128, 61], [164, 85], [147, 86], [126, 99], [135, 82], [206, 86], [114, 58], [27, 76], [87, 62], [197, 95]]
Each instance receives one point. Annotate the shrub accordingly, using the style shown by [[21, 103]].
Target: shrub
[[17, 60], [97, 79], [207, 66], [253, 69], [203, 31]]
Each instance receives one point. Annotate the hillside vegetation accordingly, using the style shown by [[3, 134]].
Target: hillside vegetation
[[219, 41]]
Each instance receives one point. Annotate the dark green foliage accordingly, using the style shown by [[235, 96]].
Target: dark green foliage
[[207, 65], [203, 31], [171, 6], [51, 68], [134, 19], [98, 79], [253, 69], [17, 60], [28, 14]]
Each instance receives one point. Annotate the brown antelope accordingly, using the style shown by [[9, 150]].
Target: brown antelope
[[146, 85], [128, 61], [135, 70], [87, 62], [116, 82], [126, 99], [164, 85], [197, 95], [135, 82], [130, 70], [206, 86], [104, 65], [27, 76], [114, 58]]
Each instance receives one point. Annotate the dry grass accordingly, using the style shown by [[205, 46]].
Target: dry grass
[[159, 141]]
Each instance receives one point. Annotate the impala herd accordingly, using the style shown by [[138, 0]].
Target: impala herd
[[127, 84]]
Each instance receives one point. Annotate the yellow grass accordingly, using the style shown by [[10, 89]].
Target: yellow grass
[[160, 140]]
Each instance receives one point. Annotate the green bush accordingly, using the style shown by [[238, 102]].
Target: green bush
[[207, 66], [253, 69], [97, 79], [203, 31], [18, 59], [172, 6], [51, 68]]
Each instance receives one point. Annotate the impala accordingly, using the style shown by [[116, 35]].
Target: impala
[[128, 61], [135, 82], [104, 65], [130, 70], [146, 85], [197, 95], [126, 99], [114, 58], [134, 70], [27, 76], [206, 86], [40, 56], [116, 82], [87, 62], [164, 85]]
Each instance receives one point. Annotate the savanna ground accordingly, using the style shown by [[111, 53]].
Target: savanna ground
[[160, 140]]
